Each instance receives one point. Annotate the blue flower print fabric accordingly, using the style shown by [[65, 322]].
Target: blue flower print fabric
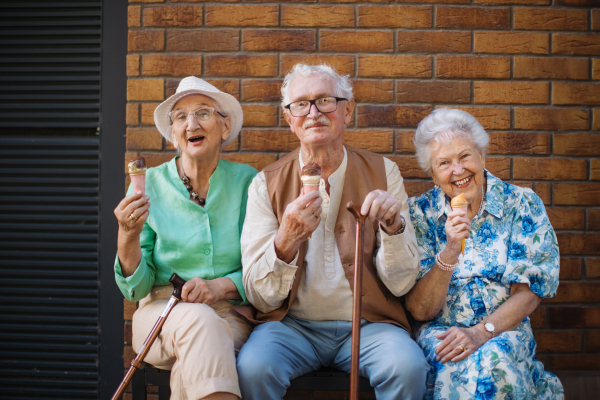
[[511, 241]]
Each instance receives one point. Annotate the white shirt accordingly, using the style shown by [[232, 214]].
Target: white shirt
[[324, 291]]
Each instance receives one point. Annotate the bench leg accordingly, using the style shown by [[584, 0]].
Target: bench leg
[[164, 392], [138, 385]]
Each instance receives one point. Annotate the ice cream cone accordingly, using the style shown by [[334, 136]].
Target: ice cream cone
[[459, 203], [137, 174], [311, 177]]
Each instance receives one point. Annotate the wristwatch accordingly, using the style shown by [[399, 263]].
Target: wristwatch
[[402, 226], [488, 326]]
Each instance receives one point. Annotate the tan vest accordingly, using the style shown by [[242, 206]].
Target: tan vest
[[365, 172]]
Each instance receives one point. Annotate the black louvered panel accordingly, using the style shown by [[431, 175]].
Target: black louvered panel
[[49, 268], [50, 64]]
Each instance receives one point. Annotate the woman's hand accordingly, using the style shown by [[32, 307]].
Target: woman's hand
[[198, 290], [455, 340], [458, 227], [131, 213]]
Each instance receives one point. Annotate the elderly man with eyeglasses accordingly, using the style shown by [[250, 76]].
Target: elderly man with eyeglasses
[[298, 254]]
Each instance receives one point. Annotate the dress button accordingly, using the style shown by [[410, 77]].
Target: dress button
[[207, 251]]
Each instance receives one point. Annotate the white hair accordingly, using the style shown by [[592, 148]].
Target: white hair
[[343, 86], [443, 125]]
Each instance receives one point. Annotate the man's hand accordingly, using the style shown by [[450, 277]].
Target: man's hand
[[381, 206], [299, 220]]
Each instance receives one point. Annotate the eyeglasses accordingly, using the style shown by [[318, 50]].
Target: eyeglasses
[[202, 116], [324, 105]]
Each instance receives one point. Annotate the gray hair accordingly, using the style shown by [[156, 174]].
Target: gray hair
[[343, 86], [443, 125]]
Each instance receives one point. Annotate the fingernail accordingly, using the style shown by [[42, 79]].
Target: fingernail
[[147, 197], [138, 192]]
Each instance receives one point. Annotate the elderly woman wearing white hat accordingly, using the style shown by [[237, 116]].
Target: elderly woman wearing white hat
[[193, 228]]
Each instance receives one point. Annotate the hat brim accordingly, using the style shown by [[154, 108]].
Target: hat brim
[[227, 103]]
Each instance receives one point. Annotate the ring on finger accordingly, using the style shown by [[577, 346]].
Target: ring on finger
[[131, 217], [462, 348]]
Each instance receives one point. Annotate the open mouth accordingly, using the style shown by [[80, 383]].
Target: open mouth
[[463, 182], [195, 139]]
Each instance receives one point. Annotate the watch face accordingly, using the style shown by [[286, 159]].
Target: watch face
[[489, 327]]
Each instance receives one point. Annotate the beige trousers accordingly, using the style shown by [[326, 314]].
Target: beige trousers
[[198, 343]]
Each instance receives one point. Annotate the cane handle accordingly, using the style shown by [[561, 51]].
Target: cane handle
[[178, 283], [355, 210]]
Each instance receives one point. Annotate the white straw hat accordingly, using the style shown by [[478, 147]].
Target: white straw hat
[[191, 85]]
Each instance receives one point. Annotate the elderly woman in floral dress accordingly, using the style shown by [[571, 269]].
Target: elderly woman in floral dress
[[475, 307]]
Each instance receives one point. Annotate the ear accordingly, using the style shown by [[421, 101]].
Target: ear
[[226, 128], [432, 177], [175, 144], [349, 110], [288, 118]]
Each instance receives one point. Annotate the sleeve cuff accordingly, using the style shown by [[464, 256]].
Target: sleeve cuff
[[129, 285], [285, 271], [236, 278]]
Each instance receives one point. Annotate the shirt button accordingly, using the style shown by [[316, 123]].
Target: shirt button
[[207, 251], [328, 258], [326, 200]]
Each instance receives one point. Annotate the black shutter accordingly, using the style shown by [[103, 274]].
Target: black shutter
[[49, 199]]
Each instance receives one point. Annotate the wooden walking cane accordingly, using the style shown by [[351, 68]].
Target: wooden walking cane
[[137, 361]]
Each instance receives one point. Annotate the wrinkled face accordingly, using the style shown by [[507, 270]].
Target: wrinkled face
[[457, 166], [316, 128], [199, 139]]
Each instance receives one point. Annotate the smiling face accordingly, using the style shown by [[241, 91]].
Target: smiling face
[[316, 128], [457, 166], [199, 140]]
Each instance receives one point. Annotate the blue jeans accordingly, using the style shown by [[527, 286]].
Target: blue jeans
[[278, 352]]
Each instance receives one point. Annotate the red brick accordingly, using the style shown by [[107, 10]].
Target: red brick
[[472, 67], [129, 308], [145, 89], [394, 66], [171, 65], [352, 1], [417, 188], [490, 117], [240, 65], [538, 318], [573, 362], [472, 17], [132, 114], [261, 90], [592, 266], [143, 139], [173, 16], [596, 20], [566, 218], [519, 143], [326, 16], [550, 168], [203, 39], [395, 16], [558, 342], [515, 2], [575, 93], [577, 194], [570, 268], [580, 243], [544, 191], [231, 86], [433, 92], [576, 3], [576, 44], [523, 184], [576, 292], [434, 42], [391, 116], [279, 40], [551, 68], [574, 317], [127, 330], [499, 166], [343, 64], [356, 41], [436, 1], [269, 140], [134, 16], [550, 19], [596, 124], [511, 92], [128, 355], [133, 64], [577, 144], [233, 146], [512, 42], [259, 115], [409, 167], [404, 142], [146, 40], [379, 141], [156, 159], [551, 118], [148, 113], [593, 219], [595, 68], [592, 341], [242, 15], [379, 91], [595, 170], [258, 161]]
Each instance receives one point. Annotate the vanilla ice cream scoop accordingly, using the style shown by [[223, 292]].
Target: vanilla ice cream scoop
[[311, 177]]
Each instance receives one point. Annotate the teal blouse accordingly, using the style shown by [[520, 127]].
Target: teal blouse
[[180, 236]]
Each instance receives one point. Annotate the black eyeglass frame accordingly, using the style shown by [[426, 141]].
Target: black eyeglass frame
[[314, 101]]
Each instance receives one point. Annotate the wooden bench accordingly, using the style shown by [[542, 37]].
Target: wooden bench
[[325, 379]]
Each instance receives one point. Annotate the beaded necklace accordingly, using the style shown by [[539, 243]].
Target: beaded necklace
[[193, 194]]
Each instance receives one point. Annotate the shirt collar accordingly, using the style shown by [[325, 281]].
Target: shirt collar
[[337, 174], [493, 198]]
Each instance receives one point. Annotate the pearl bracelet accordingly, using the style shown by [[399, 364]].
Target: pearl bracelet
[[444, 266]]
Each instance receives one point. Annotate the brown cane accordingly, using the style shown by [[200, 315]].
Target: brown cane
[[143, 351]]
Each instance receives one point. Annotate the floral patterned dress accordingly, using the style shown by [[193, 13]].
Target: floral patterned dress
[[511, 241]]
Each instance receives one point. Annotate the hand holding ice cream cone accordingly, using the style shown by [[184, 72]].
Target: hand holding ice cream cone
[[460, 204], [137, 174], [311, 177]]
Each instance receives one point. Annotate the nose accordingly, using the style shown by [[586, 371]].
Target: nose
[[314, 112], [457, 168], [192, 123]]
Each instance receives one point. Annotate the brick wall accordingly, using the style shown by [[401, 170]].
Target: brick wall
[[528, 70]]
